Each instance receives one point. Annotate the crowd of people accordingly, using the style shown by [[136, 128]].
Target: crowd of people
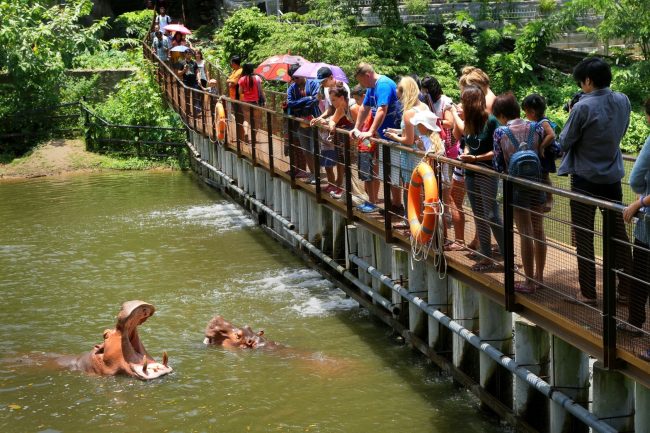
[[482, 129]]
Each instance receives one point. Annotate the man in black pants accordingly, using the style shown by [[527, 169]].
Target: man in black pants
[[591, 139]]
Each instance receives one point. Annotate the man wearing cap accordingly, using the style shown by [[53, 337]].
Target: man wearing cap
[[302, 101], [381, 99]]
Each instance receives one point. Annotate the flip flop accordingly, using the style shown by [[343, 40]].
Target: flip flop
[[454, 246], [522, 287], [487, 267]]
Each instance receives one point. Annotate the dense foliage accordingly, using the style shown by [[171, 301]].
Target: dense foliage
[[397, 49]]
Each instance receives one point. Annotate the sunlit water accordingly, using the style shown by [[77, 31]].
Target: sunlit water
[[73, 249]]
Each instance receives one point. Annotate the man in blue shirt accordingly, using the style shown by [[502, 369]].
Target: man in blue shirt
[[381, 99], [302, 101], [591, 139]]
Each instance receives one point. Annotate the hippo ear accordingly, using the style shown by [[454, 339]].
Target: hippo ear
[[260, 332]]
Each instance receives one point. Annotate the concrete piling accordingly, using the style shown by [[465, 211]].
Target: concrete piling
[[399, 273], [465, 309], [641, 408], [495, 328], [613, 398], [570, 374], [533, 351], [439, 297], [418, 323]]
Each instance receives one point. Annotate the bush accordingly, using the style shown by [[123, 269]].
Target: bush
[[132, 24], [633, 81], [636, 133], [417, 7], [458, 53], [109, 59]]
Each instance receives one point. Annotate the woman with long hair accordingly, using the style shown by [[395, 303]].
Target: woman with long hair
[[251, 92], [478, 149], [418, 138]]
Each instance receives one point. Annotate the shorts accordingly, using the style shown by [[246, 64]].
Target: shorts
[[304, 138], [408, 162], [394, 165], [527, 198], [367, 162], [328, 158]]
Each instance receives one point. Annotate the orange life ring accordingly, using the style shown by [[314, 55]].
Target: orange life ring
[[221, 122], [423, 176]]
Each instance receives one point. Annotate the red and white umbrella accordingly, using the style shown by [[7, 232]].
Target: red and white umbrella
[[276, 67], [180, 28]]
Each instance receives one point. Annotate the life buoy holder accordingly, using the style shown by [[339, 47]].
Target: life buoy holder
[[221, 122], [423, 176]]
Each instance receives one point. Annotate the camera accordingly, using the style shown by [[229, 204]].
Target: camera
[[574, 100]]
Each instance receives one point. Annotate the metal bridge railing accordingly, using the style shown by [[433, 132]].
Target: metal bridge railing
[[516, 234]]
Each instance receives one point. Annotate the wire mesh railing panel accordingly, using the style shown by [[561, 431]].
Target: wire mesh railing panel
[[559, 247]]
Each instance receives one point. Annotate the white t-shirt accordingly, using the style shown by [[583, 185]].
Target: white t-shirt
[[328, 101], [439, 107], [163, 21]]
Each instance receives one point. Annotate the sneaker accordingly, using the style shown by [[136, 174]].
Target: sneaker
[[337, 193], [646, 355], [368, 208], [311, 180], [629, 329], [329, 189]]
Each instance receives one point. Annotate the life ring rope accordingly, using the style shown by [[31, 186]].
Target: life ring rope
[[427, 232]]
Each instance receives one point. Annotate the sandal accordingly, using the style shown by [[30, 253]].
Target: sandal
[[455, 246], [486, 267], [522, 287]]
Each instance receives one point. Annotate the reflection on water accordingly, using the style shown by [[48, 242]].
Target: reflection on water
[[73, 249]]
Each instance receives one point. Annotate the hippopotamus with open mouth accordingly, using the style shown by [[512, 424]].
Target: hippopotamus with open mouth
[[122, 352], [223, 333]]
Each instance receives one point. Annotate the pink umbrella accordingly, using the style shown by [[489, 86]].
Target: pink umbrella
[[309, 70], [180, 28]]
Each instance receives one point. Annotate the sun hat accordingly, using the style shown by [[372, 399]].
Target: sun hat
[[426, 118]]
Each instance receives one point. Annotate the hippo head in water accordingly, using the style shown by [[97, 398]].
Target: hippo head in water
[[122, 352], [223, 333]]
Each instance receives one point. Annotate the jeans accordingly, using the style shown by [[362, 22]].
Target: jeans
[[582, 219], [482, 193], [639, 296]]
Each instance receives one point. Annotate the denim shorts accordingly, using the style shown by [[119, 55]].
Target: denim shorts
[[366, 164], [328, 158], [304, 137]]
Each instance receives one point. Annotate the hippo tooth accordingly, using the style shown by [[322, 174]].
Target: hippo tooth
[[164, 360], [144, 364]]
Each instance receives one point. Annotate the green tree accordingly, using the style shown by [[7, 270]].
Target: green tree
[[37, 43]]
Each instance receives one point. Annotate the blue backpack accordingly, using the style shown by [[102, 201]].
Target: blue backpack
[[525, 162]]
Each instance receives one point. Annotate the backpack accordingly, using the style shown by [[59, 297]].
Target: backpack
[[553, 151], [524, 162]]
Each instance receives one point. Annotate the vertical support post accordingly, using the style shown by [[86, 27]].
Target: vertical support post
[[613, 400], [352, 247], [292, 155], [138, 147], [316, 156], [416, 271], [253, 136], [569, 374], [465, 311], [347, 160], [439, 298], [509, 249], [532, 350], [609, 289], [398, 272], [269, 131], [236, 108], [338, 237], [642, 408], [388, 204], [495, 328], [201, 96]]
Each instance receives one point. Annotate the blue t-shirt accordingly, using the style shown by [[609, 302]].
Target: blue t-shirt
[[384, 93]]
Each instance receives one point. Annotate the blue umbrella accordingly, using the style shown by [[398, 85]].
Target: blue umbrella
[[181, 48]]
